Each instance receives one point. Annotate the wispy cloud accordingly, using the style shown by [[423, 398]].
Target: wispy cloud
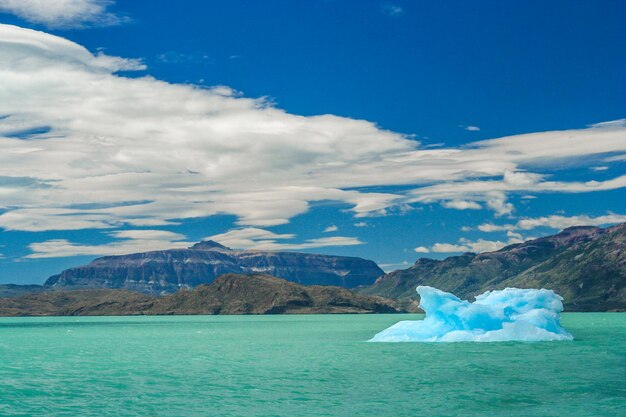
[[470, 128], [393, 267], [64, 13], [391, 9], [332, 228], [128, 241], [494, 192], [461, 205], [198, 152], [261, 239], [173, 57], [615, 158], [554, 222], [467, 245]]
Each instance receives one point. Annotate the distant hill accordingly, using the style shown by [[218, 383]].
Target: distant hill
[[586, 265], [165, 272], [14, 290], [228, 294]]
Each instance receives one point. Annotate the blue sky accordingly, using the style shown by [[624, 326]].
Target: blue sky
[[129, 145]]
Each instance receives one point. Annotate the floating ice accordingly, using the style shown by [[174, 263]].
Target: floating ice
[[496, 316]]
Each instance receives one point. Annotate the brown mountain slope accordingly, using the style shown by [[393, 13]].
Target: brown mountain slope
[[591, 276], [95, 302], [14, 290], [586, 265], [228, 294]]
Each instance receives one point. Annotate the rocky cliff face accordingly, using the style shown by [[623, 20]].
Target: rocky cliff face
[[586, 265], [228, 294], [165, 272]]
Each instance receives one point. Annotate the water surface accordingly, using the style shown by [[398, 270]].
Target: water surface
[[318, 365]]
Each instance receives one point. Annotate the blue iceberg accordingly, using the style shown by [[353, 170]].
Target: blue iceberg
[[512, 314]]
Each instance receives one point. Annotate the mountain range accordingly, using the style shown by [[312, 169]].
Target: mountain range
[[228, 294], [166, 272], [585, 265]]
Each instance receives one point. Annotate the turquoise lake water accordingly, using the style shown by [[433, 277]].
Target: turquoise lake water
[[317, 365]]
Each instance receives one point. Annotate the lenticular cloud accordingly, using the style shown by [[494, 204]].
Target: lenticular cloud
[[511, 314]]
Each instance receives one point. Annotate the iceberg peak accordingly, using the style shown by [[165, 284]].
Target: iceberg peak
[[511, 314]]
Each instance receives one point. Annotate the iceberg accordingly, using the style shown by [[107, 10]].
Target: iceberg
[[512, 314]]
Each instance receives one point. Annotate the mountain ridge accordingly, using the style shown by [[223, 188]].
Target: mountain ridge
[[167, 271], [228, 294], [584, 264]]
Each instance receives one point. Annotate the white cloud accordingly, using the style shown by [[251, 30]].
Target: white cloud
[[450, 248], [148, 235], [332, 228], [520, 179], [392, 267], [610, 123], [599, 168], [494, 192], [616, 158], [470, 128], [130, 241], [489, 227], [360, 224], [64, 13], [422, 249], [476, 246], [261, 239], [461, 205], [116, 151], [42, 219], [497, 202], [392, 9], [248, 237], [513, 235], [555, 222]]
